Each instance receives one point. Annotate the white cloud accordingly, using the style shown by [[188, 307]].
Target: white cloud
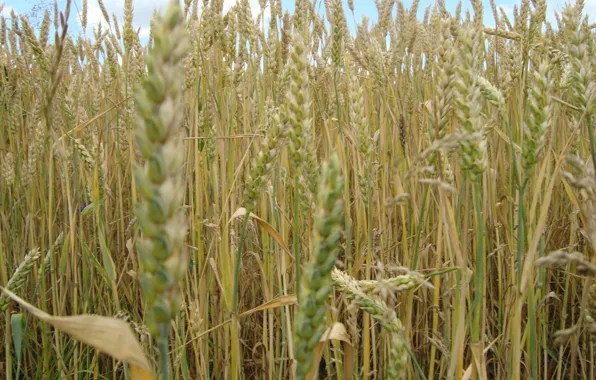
[[552, 7], [6, 11], [489, 18], [558, 6], [143, 11], [144, 32], [94, 17], [255, 8], [508, 10]]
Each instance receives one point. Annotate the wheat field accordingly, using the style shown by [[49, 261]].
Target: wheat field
[[298, 196]]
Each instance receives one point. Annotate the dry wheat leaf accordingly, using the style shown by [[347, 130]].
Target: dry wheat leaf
[[266, 226], [477, 353], [478, 360], [337, 331], [138, 373], [111, 336], [133, 274], [280, 301], [87, 123]]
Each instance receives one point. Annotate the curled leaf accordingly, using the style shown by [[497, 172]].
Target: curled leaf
[[110, 335], [280, 301], [266, 226], [337, 331]]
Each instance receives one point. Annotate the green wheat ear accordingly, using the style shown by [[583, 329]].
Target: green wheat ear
[[316, 283], [381, 313], [19, 277], [160, 106]]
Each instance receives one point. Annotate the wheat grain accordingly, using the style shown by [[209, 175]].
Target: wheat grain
[[160, 103], [21, 274], [316, 283]]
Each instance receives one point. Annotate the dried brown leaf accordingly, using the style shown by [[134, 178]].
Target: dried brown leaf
[[109, 335], [266, 226], [337, 331]]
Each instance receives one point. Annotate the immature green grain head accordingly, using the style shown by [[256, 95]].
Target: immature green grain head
[[337, 32], [19, 277], [128, 32], [3, 30], [473, 154], [446, 77], [85, 7], [46, 264], [491, 93], [298, 100], [316, 283], [446, 92], [381, 313], [159, 180], [44, 30], [264, 161], [365, 140], [539, 116], [578, 36], [8, 171]]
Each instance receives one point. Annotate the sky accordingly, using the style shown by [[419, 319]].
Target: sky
[[143, 9]]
